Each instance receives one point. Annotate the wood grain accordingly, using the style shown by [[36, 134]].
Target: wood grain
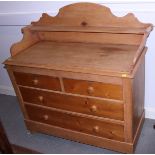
[[38, 81], [138, 95], [29, 39], [87, 68], [91, 37], [107, 109], [66, 74], [79, 136], [91, 14], [91, 88], [91, 29], [128, 109], [81, 57], [76, 123]]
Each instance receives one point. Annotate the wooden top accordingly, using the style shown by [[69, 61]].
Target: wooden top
[[77, 57], [83, 37]]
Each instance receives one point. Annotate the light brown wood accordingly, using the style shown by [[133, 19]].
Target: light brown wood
[[86, 58], [136, 66], [86, 19], [108, 120], [85, 138], [89, 66], [97, 29], [98, 38], [66, 74], [107, 109], [29, 39], [91, 88], [138, 95], [73, 122], [38, 81], [80, 137], [128, 109], [140, 49], [88, 14]]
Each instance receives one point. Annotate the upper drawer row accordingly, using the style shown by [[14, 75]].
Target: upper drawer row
[[82, 87]]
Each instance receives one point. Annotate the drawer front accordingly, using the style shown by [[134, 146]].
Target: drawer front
[[76, 123], [98, 89], [38, 81], [88, 106]]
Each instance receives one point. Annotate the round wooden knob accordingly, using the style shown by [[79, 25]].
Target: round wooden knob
[[93, 108], [35, 81], [90, 90], [96, 129], [45, 117], [41, 98], [84, 23]]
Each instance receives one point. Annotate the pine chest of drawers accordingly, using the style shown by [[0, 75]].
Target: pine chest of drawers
[[80, 76]]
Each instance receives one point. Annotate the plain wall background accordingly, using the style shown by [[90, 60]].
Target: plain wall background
[[15, 15]]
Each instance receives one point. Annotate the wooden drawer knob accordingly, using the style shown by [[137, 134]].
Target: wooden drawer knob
[[41, 98], [96, 129], [90, 90], [93, 108], [84, 23], [35, 81], [45, 117]]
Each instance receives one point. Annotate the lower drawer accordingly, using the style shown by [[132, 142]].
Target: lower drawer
[[77, 123]]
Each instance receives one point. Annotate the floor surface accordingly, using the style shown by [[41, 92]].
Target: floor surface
[[12, 120]]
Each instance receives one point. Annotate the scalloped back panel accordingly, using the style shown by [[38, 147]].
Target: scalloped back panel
[[88, 14]]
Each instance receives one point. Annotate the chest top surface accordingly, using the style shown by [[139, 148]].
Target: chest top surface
[[82, 37]]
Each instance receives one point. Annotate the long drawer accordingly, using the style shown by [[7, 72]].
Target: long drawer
[[91, 88], [77, 123], [108, 109], [38, 81]]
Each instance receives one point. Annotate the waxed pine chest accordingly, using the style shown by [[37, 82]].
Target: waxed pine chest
[[80, 75]]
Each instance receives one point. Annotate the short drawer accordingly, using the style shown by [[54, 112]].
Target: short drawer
[[90, 88], [38, 81], [107, 109], [77, 123]]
